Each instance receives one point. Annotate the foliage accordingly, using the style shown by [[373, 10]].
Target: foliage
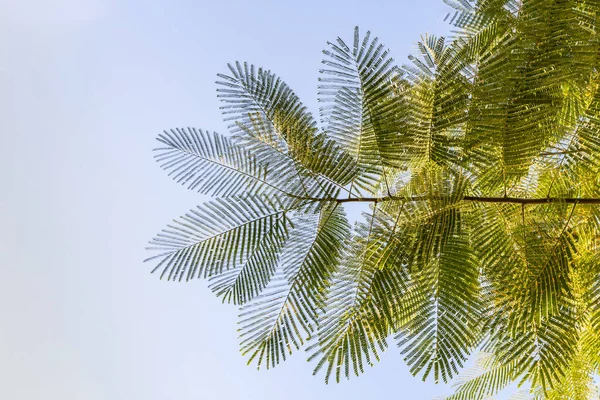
[[479, 161]]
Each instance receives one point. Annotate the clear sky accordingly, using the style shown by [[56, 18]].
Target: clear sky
[[85, 87]]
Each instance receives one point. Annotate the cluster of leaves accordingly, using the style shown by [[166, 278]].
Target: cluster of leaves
[[479, 162]]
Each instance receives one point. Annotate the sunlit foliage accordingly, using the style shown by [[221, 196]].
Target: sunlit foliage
[[480, 162]]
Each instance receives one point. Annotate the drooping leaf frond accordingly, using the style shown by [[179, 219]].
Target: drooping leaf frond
[[284, 317], [361, 308], [484, 379], [246, 280], [443, 329]]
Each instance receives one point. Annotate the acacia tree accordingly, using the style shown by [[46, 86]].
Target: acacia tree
[[479, 162]]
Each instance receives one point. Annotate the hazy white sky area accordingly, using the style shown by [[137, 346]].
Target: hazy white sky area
[[85, 87]]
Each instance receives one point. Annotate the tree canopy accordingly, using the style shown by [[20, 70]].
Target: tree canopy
[[479, 160]]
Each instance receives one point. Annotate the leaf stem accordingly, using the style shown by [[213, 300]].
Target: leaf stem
[[474, 199]]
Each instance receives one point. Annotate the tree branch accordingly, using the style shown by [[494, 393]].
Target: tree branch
[[475, 199]]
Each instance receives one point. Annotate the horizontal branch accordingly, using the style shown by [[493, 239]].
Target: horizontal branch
[[568, 200], [561, 152], [516, 200]]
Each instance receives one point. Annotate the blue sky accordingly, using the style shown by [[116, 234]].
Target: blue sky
[[86, 85]]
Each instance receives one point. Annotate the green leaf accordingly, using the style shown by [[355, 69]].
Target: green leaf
[[211, 164], [361, 306], [217, 236], [360, 110], [285, 315], [252, 95]]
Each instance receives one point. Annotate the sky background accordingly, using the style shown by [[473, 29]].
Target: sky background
[[85, 87]]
